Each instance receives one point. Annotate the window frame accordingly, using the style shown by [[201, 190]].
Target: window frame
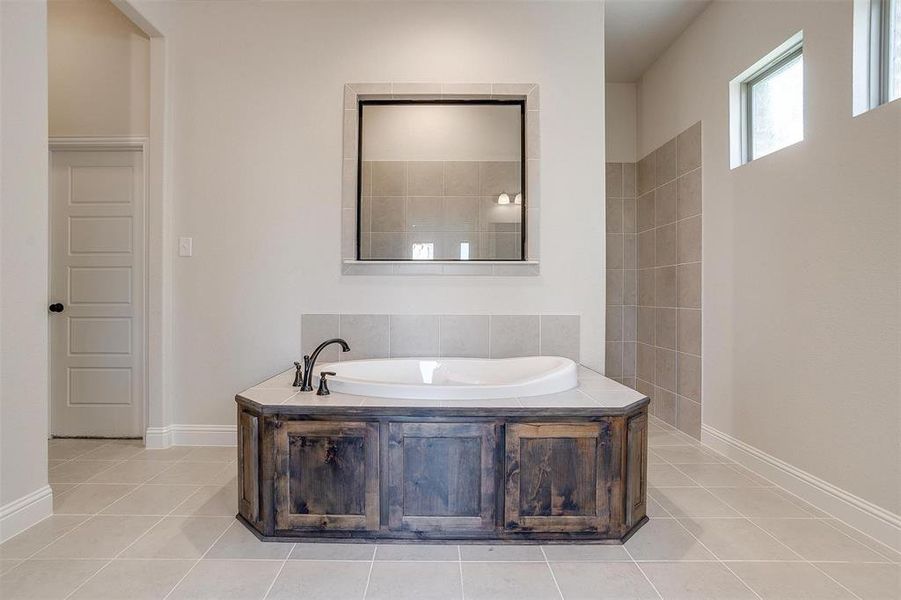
[[769, 69], [880, 51]]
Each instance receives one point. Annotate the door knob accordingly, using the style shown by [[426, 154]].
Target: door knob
[[57, 307]]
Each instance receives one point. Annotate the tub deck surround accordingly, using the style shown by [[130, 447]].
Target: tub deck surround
[[560, 467]]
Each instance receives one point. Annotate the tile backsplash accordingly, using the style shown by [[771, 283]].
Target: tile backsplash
[[474, 336]]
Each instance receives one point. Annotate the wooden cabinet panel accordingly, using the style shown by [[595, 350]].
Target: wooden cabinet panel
[[636, 468], [558, 477], [441, 476], [248, 466], [327, 475]]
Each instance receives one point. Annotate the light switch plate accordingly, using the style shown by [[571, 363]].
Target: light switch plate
[[185, 246]]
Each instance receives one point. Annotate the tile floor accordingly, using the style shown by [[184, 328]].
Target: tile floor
[[133, 523]]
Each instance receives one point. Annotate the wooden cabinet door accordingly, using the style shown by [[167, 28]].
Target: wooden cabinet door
[[327, 475], [562, 477], [441, 476], [636, 468], [248, 466]]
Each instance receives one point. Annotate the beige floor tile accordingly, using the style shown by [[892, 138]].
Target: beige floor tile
[[695, 581], [692, 502], [46, 579], [179, 537], [875, 546], [54, 463], [601, 581], [151, 500], [789, 581], [166, 454], [320, 581], [196, 473], [508, 581], [119, 450], [134, 580], [665, 539], [738, 539], [584, 552], [815, 540], [210, 500], [805, 506], [717, 475], [130, 471], [655, 510], [8, 563], [687, 455], [89, 498], [61, 488], [34, 538], [413, 552], [414, 581], [239, 542], [227, 476], [758, 502], [514, 553], [669, 475], [99, 537], [212, 454], [345, 552], [655, 459], [78, 471], [668, 438], [869, 581], [59, 449], [227, 580]]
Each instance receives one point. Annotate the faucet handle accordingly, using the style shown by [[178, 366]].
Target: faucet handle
[[298, 374], [323, 384]]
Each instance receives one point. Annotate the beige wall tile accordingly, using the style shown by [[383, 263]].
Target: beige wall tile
[[688, 416], [425, 178], [499, 176], [315, 329], [664, 405], [646, 361], [614, 215], [514, 335], [461, 178], [646, 287], [389, 178], [688, 336], [689, 284], [350, 134], [646, 218], [647, 320], [645, 387], [349, 182], [630, 358], [690, 194], [494, 217], [615, 280], [647, 249], [666, 162], [688, 376], [665, 369], [630, 183], [630, 251], [388, 246], [367, 336], [630, 286], [416, 88], [690, 240], [630, 215], [463, 335], [387, 214], [461, 213], [615, 251], [666, 245], [689, 148], [665, 283], [647, 179], [665, 330], [614, 323], [500, 246], [413, 335], [614, 180], [630, 323], [424, 213], [560, 336], [665, 203], [613, 359], [465, 89]]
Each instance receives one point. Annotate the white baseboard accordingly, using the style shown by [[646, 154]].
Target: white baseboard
[[191, 435], [19, 515], [875, 521]]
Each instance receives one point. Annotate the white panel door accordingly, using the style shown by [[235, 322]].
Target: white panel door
[[96, 275]]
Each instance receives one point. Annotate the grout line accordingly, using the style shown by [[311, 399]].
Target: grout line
[[280, 569], [460, 564], [551, 569], [188, 572], [648, 579], [371, 565]]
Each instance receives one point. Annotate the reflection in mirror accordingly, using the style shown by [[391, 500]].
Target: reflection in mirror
[[441, 180]]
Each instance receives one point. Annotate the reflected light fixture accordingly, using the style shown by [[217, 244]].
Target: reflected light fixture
[[504, 198], [518, 198]]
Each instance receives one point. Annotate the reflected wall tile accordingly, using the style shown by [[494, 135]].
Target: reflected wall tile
[[424, 213], [389, 178], [425, 178], [384, 214], [499, 176], [461, 178], [388, 246], [461, 213], [500, 246]]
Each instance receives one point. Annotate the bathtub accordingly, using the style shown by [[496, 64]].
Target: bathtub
[[452, 378]]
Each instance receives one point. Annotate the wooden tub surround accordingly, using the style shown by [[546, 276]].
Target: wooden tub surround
[[568, 466]]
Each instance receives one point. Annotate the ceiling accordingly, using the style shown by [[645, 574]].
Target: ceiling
[[639, 31]]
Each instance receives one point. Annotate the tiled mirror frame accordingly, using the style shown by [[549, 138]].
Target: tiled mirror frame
[[353, 92]]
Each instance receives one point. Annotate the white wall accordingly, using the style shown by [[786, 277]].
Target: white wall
[[622, 125], [23, 258], [256, 92], [802, 262], [99, 70]]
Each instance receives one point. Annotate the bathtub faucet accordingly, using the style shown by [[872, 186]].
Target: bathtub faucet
[[309, 361]]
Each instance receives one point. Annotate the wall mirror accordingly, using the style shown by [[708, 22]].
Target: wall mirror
[[441, 180]]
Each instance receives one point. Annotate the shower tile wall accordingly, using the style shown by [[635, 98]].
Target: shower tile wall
[[668, 357], [622, 273], [449, 204]]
